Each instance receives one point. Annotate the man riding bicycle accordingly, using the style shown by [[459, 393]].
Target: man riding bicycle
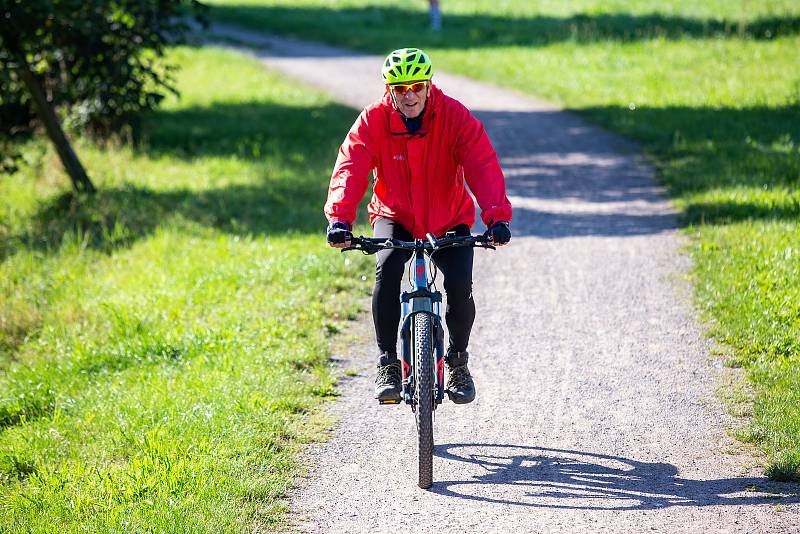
[[421, 147]]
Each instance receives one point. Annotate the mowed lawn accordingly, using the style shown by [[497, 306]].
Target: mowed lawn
[[710, 90], [164, 346]]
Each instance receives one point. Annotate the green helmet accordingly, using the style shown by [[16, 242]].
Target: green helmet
[[405, 65]]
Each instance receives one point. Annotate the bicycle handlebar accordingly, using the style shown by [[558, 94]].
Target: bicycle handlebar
[[371, 245]]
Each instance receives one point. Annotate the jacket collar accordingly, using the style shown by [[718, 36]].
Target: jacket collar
[[396, 125]]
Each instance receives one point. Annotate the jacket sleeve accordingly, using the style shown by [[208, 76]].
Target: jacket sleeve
[[475, 153], [350, 175]]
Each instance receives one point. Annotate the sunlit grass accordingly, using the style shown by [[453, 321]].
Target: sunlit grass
[[163, 345], [380, 25]]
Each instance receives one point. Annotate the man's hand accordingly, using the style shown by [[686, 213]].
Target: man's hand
[[499, 234], [339, 235]]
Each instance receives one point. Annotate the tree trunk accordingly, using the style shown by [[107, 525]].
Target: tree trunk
[[80, 180]]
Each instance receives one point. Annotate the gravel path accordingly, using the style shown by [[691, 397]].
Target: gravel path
[[596, 409]]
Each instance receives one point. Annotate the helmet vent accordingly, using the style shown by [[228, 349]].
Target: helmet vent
[[416, 70], [396, 59]]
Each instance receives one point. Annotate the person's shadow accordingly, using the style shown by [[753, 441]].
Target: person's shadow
[[556, 478]]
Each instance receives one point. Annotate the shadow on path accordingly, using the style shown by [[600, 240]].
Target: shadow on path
[[553, 225], [565, 180], [556, 478]]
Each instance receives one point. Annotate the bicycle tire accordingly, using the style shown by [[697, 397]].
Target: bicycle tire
[[423, 380]]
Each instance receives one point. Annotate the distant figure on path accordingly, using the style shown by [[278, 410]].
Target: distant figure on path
[[436, 15], [423, 149]]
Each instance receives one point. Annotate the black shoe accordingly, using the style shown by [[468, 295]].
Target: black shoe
[[388, 382], [460, 387]]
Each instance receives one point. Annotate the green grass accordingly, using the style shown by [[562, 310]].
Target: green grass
[[379, 25], [163, 346], [710, 90]]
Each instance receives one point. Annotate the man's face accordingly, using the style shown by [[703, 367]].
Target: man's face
[[410, 97]]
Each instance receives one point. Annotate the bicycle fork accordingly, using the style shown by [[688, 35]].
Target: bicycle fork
[[421, 300], [407, 360]]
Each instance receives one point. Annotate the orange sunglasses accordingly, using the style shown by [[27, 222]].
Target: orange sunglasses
[[402, 88]]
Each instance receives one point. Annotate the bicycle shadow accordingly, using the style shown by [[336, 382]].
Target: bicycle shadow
[[542, 477]]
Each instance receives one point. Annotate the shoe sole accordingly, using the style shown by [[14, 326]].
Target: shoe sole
[[460, 400], [391, 398]]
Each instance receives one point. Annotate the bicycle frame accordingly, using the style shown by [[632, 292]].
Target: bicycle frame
[[421, 300]]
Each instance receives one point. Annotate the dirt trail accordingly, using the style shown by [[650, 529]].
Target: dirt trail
[[596, 409]]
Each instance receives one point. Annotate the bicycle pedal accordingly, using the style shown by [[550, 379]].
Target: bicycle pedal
[[389, 401]]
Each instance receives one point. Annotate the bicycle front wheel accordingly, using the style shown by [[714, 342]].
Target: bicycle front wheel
[[423, 380]]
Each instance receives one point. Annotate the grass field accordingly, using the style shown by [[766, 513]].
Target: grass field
[[164, 345], [711, 91]]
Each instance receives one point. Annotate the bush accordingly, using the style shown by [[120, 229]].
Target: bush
[[97, 61]]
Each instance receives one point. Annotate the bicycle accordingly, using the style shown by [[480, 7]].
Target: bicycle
[[422, 334]]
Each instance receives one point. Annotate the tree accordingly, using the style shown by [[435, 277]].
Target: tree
[[96, 63]]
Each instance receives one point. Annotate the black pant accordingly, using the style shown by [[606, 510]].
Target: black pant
[[456, 266]]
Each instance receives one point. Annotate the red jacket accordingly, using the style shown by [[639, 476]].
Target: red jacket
[[419, 178]]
